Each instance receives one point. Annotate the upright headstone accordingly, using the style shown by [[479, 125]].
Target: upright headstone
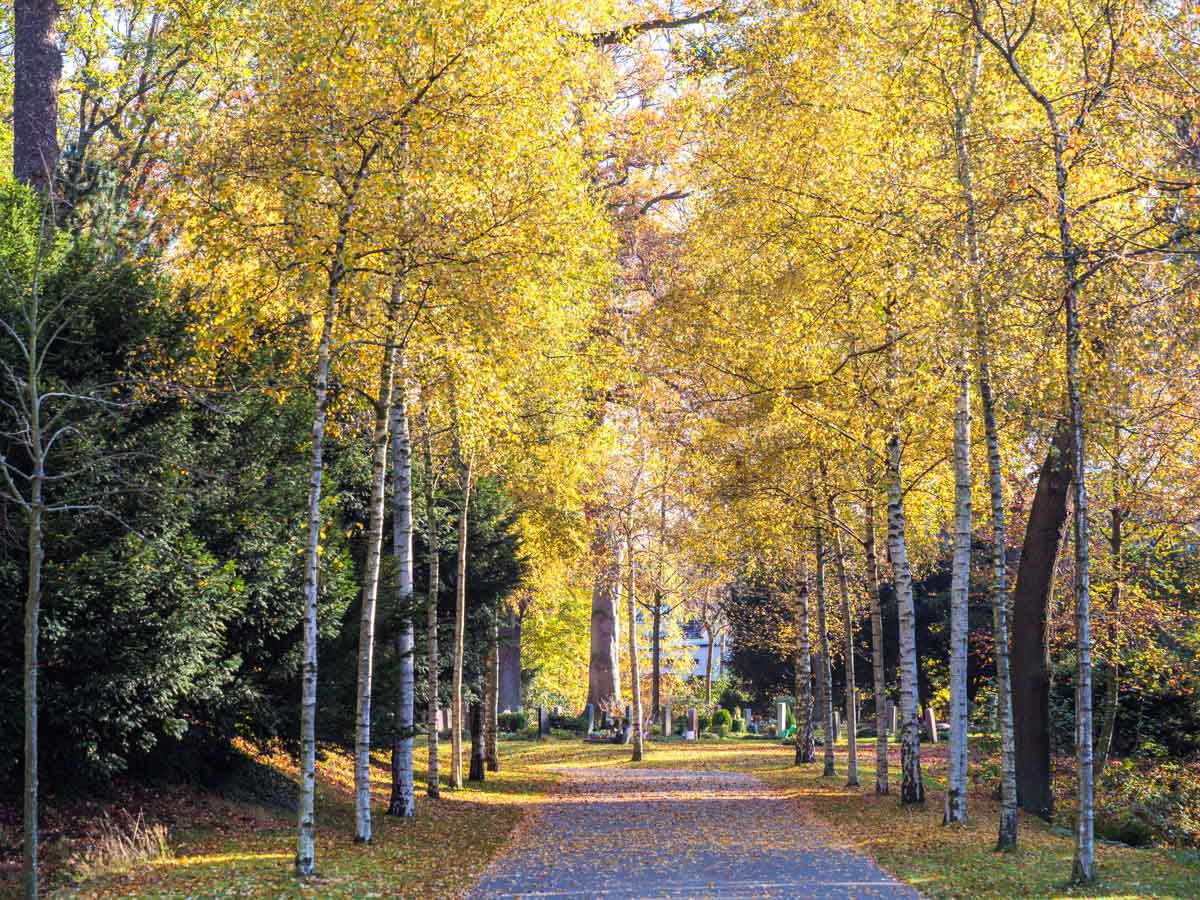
[[749, 717], [591, 718], [930, 725], [781, 717], [693, 724], [627, 725], [558, 711], [478, 757], [668, 722], [837, 725], [890, 717], [543, 722]]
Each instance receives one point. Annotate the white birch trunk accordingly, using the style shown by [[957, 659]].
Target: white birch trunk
[[433, 782], [825, 673], [999, 601], [806, 751], [403, 799], [460, 630], [839, 561], [912, 789], [956, 780], [370, 594], [305, 805], [877, 661], [634, 668]]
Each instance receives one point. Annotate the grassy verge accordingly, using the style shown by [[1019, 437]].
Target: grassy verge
[[246, 850]]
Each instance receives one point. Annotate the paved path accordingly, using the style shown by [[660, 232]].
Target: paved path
[[622, 833]]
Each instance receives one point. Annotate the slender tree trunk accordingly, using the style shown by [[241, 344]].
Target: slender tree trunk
[[370, 593], [33, 605], [491, 695], [839, 561], [806, 750], [433, 781], [37, 65], [825, 674], [656, 640], [1007, 838], [912, 789], [960, 583], [1112, 693], [877, 659], [460, 629], [604, 672], [1085, 838], [478, 768], [634, 667], [656, 657], [403, 799], [306, 812]]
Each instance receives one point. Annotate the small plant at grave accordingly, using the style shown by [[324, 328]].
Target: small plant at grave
[[739, 725], [704, 720], [119, 847], [722, 722]]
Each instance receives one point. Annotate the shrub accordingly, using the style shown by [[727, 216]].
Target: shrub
[[512, 721], [575, 724], [722, 721], [739, 725], [704, 720]]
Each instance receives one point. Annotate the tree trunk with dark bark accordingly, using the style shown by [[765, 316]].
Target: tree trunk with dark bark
[[604, 673], [510, 662], [37, 66], [1030, 641]]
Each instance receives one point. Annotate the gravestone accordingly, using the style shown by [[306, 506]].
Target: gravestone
[[591, 718], [543, 722], [668, 722], [890, 717], [627, 726], [837, 725], [781, 717], [478, 757], [931, 734], [749, 717], [693, 724], [558, 711]]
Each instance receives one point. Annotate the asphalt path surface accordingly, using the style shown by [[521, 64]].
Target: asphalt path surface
[[621, 833]]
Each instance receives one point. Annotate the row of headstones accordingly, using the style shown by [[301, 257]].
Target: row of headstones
[[692, 728]]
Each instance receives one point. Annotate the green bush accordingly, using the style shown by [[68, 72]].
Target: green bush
[[739, 725], [704, 720], [722, 721], [512, 721], [576, 724]]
